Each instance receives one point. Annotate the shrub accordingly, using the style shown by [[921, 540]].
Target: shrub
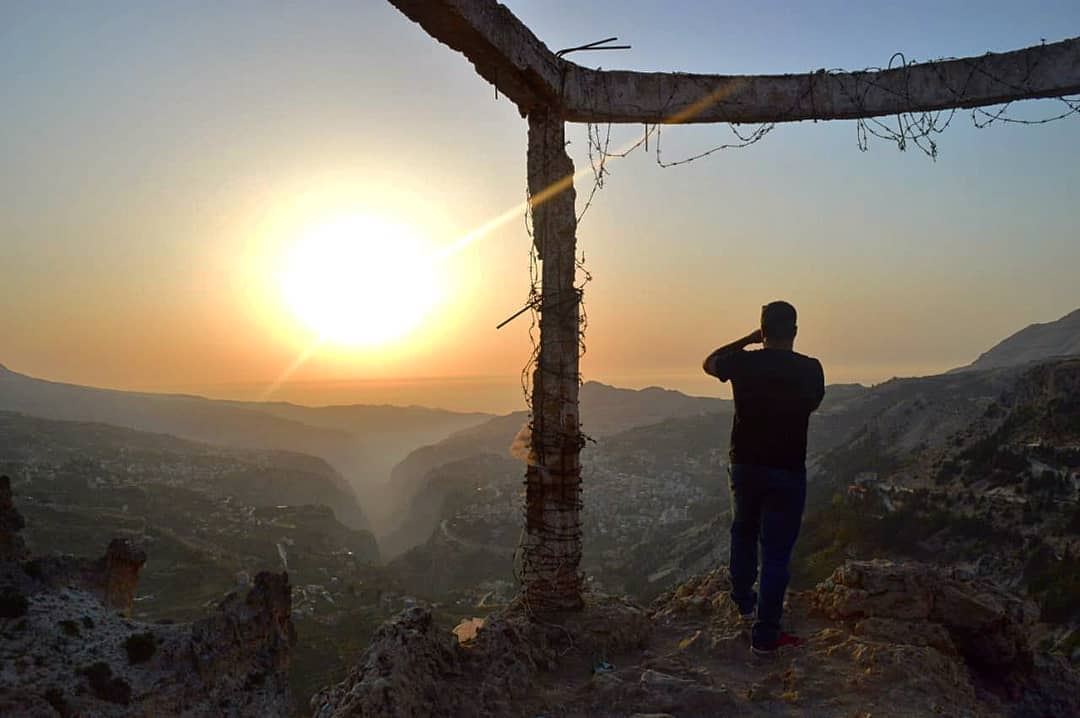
[[12, 603], [106, 686], [140, 647], [1054, 584], [55, 697], [1074, 522]]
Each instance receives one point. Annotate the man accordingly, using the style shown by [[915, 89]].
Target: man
[[776, 389]]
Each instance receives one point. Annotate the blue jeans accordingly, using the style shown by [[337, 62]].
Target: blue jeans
[[767, 506]]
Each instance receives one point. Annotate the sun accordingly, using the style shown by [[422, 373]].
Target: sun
[[359, 281]]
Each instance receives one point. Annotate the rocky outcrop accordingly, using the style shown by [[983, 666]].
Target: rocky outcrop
[[400, 674], [112, 578], [413, 668], [68, 648], [942, 608], [969, 620], [882, 639], [120, 574], [12, 546]]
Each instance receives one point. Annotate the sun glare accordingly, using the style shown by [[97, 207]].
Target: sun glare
[[359, 281]]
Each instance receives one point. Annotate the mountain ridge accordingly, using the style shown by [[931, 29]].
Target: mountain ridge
[[1040, 340], [361, 442]]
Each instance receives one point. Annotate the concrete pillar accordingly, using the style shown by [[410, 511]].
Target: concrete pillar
[[551, 556]]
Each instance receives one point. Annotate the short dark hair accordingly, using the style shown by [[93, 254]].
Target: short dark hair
[[778, 321]]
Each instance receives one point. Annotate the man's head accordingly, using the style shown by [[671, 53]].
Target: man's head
[[778, 325]]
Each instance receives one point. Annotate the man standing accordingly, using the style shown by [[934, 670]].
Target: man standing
[[776, 389]]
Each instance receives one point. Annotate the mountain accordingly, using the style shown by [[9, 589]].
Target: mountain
[[605, 411], [1032, 343], [381, 436], [188, 417], [994, 489], [370, 419], [646, 494], [361, 442], [83, 473], [655, 497]]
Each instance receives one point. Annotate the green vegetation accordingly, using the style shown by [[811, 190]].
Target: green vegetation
[[868, 450], [324, 652], [847, 529]]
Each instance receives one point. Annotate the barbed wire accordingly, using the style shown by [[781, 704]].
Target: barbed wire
[[550, 540], [743, 141], [918, 129]]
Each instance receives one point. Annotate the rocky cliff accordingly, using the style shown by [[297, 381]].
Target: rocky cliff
[[68, 648], [883, 639]]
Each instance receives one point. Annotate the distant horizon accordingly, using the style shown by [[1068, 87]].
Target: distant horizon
[[489, 393], [286, 192], [493, 394]]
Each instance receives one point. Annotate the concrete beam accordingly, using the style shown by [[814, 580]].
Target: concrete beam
[[1049, 70], [501, 48], [507, 54]]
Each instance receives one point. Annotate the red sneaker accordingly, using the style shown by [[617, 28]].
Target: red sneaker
[[785, 639]]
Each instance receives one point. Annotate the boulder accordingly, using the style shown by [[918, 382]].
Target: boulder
[[918, 603]]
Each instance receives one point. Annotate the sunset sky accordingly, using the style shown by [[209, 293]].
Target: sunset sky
[[160, 163]]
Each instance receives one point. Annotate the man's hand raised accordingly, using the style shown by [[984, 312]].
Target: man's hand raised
[[710, 365]]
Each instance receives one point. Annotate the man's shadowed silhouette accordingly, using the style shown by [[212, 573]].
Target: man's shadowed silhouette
[[776, 389]]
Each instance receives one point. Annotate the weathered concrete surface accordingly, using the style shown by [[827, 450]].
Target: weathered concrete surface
[[1048, 70], [508, 55], [551, 554], [501, 48]]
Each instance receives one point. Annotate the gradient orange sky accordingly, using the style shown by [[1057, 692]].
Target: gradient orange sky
[[155, 161]]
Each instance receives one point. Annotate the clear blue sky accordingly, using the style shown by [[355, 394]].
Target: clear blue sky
[[145, 143]]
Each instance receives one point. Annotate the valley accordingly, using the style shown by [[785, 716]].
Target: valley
[[977, 470]]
